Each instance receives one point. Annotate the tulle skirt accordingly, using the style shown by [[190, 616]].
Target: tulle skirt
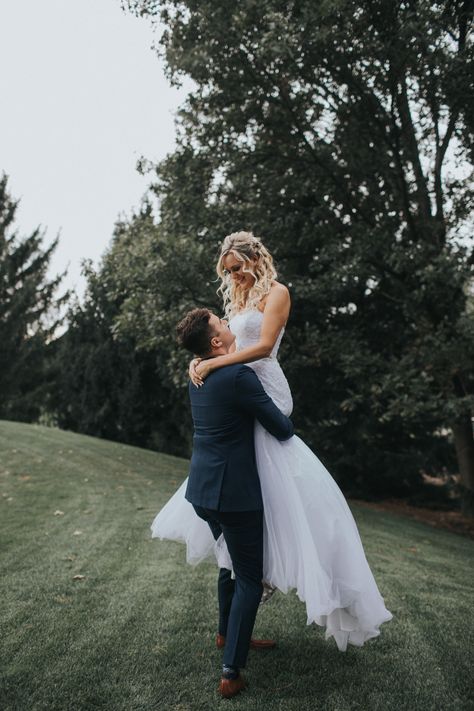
[[311, 541]]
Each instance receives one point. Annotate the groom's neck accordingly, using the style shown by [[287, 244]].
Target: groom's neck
[[215, 353]]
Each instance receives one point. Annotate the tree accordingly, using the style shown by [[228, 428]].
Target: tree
[[326, 128], [106, 386], [29, 315]]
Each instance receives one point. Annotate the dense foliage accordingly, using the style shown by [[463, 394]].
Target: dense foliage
[[107, 387], [29, 316], [326, 128], [341, 133]]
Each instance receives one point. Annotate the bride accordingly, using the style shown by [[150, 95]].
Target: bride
[[311, 541]]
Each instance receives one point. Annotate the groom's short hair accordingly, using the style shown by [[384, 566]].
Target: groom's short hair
[[195, 332]]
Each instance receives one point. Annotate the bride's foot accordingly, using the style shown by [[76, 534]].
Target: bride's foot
[[268, 591]]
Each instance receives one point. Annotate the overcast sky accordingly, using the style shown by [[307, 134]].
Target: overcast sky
[[83, 97]]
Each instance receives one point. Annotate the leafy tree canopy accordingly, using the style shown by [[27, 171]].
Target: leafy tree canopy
[[341, 133]]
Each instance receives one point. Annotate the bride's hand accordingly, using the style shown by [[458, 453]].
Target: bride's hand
[[202, 370], [193, 376]]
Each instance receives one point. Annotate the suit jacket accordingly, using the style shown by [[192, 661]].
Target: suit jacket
[[223, 473]]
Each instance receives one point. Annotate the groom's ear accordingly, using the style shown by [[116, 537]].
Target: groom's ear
[[216, 342]]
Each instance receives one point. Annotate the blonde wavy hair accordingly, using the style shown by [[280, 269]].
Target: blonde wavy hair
[[257, 261]]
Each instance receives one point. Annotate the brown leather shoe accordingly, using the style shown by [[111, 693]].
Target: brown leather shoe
[[262, 644], [254, 643], [220, 641], [230, 687]]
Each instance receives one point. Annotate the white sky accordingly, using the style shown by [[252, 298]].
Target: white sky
[[83, 97]]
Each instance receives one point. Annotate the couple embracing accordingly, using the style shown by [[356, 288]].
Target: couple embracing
[[257, 499]]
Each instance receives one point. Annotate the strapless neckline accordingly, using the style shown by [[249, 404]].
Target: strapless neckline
[[243, 311], [255, 311]]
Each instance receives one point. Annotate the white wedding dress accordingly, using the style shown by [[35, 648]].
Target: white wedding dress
[[311, 541]]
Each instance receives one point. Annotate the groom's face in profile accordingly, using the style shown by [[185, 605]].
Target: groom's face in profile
[[223, 337]]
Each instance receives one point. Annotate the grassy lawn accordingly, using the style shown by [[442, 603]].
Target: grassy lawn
[[136, 633]]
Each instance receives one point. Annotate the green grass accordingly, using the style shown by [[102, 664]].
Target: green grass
[[137, 632]]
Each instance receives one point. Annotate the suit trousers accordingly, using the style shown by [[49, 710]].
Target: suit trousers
[[238, 599]]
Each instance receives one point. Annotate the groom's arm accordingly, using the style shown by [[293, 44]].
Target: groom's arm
[[252, 398]]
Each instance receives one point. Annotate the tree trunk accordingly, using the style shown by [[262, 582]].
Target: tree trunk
[[464, 444]]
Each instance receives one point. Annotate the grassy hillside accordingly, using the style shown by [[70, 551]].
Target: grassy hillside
[[136, 632]]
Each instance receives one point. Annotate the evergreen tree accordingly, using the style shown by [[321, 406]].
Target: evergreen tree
[[106, 386], [29, 315]]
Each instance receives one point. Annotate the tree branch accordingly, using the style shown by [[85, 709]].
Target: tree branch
[[412, 146]]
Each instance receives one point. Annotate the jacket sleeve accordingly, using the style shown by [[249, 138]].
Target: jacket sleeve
[[252, 398]]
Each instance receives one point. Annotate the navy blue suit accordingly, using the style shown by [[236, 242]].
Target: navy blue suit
[[224, 489], [223, 475]]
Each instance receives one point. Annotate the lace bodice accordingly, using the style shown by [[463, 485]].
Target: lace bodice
[[246, 326]]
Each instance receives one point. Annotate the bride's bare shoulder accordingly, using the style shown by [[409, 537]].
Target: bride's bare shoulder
[[281, 287], [280, 290], [278, 297]]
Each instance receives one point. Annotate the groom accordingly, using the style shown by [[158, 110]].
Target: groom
[[223, 485]]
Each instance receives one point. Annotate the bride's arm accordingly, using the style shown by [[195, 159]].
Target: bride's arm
[[194, 362], [275, 317]]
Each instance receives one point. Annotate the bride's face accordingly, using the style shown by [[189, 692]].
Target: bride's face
[[235, 267]]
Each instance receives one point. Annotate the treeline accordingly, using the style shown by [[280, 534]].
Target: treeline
[[325, 128]]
